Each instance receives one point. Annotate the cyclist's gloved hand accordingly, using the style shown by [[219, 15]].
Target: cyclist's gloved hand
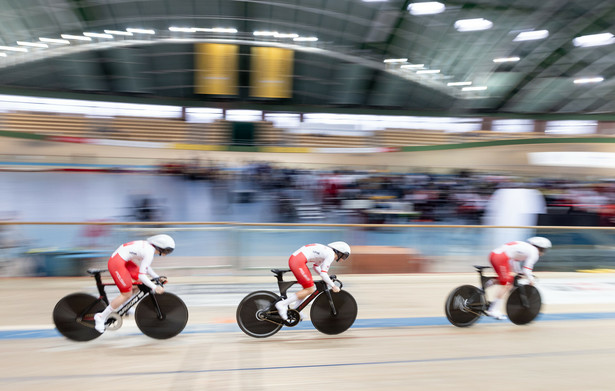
[[158, 289], [335, 288]]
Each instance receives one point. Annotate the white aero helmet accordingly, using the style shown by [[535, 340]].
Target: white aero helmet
[[342, 248], [163, 243], [540, 242]]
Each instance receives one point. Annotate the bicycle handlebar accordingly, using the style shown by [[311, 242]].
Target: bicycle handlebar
[[333, 278]]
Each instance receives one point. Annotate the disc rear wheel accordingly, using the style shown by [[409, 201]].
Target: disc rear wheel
[[256, 314], [73, 316], [465, 305]]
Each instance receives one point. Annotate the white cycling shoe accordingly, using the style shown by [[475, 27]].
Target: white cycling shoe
[[99, 323], [282, 310], [496, 315]]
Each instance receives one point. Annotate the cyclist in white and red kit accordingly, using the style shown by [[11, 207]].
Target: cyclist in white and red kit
[[124, 270], [516, 257], [322, 256]]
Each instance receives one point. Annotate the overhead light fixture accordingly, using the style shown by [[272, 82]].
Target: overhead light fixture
[[265, 33], [477, 88], [588, 80], [305, 39], [2, 54], [426, 8], [33, 44], [217, 30], [55, 40], [594, 40], [76, 37], [473, 24], [98, 35], [141, 31], [395, 60], [183, 29], [531, 35], [506, 59], [116, 32], [284, 35], [412, 66], [427, 71], [459, 83], [13, 49]]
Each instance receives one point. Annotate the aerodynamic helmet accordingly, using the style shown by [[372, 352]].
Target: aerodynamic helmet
[[341, 248], [540, 242], [163, 243]]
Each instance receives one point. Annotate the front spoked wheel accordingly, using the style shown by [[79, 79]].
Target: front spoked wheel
[[325, 320], [74, 314], [256, 314], [173, 319], [465, 305], [523, 304]]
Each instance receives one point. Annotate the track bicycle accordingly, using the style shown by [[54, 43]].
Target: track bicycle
[[162, 316], [331, 313], [467, 303]]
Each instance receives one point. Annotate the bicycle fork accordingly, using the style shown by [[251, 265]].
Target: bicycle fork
[[330, 298], [524, 302], [156, 307]]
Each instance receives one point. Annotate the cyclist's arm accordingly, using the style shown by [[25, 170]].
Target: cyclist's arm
[[528, 268], [324, 275], [151, 272], [145, 270], [144, 278]]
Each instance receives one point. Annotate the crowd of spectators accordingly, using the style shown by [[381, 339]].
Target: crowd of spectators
[[372, 196]]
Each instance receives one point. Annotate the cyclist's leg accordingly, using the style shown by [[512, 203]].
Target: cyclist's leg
[[501, 265], [122, 277], [298, 265]]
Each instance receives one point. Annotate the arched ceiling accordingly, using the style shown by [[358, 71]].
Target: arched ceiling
[[344, 68]]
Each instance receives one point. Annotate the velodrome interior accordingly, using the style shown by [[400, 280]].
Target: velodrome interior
[[126, 89]]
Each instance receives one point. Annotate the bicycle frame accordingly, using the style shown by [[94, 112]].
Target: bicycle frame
[[321, 287], [486, 282], [134, 300]]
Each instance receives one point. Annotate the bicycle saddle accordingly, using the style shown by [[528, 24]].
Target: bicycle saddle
[[96, 271], [279, 272], [481, 267]]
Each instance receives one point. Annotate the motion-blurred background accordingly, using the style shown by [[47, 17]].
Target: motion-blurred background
[[419, 132]]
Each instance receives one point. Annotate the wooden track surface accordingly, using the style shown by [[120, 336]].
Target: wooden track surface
[[401, 340]]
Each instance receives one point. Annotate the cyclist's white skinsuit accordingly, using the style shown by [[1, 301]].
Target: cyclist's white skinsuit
[[320, 255], [123, 269], [519, 257]]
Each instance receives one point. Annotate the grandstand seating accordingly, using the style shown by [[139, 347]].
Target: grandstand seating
[[326, 141], [46, 124], [219, 132], [410, 137], [148, 129], [214, 133], [269, 135]]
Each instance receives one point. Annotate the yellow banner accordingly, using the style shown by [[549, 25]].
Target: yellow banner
[[216, 69], [272, 72]]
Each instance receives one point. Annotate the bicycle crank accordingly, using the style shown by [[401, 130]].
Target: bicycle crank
[[293, 318], [114, 321]]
